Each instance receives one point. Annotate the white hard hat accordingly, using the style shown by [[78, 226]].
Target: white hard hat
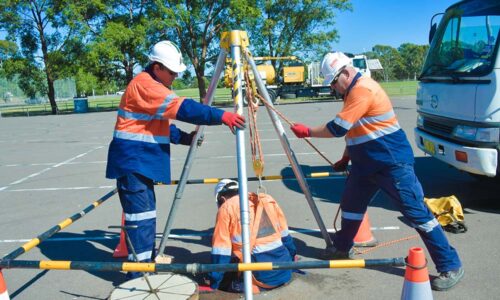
[[223, 186], [332, 64], [169, 55]]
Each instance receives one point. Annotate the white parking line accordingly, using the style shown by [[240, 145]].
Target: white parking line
[[48, 169]]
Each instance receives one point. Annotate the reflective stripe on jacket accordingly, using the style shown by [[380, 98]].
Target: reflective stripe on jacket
[[268, 230], [142, 137]]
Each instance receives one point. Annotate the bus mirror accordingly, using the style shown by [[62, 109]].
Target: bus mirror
[[432, 32]]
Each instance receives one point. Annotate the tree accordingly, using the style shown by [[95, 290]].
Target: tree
[[290, 27], [118, 33], [413, 58], [40, 28], [389, 58], [195, 26]]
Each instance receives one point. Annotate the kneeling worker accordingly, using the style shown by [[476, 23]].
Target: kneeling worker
[[269, 239]]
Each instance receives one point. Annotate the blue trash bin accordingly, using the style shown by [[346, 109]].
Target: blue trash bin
[[81, 105]]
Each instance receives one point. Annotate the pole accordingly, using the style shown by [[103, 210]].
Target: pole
[[237, 40], [191, 153], [289, 153]]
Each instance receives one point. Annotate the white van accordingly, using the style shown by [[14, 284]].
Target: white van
[[458, 97]]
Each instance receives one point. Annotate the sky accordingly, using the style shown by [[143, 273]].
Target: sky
[[386, 22]]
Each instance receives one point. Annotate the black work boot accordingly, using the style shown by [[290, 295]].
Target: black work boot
[[447, 280], [334, 253]]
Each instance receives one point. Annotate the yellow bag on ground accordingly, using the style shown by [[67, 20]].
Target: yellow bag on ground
[[448, 211]]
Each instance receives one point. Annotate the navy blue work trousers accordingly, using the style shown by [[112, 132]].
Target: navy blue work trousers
[[401, 184]]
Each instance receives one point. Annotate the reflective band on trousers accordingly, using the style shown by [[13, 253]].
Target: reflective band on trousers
[[141, 256], [429, 226], [352, 216], [141, 137], [140, 216]]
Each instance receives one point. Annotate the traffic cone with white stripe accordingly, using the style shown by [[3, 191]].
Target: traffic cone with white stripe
[[4, 294], [364, 237], [417, 284], [121, 249]]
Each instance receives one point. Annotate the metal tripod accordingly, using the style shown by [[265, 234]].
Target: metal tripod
[[237, 42]]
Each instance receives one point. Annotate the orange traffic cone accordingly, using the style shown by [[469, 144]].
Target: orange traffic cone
[[364, 237], [121, 249], [4, 294], [417, 284]]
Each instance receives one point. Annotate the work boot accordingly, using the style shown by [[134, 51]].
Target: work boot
[[447, 280], [334, 253]]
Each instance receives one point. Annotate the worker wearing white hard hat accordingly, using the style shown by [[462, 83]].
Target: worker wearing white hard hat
[[139, 153], [381, 158], [271, 243]]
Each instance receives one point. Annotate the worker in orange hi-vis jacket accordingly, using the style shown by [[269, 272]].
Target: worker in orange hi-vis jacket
[[381, 158], [270, 240], [139, 153]]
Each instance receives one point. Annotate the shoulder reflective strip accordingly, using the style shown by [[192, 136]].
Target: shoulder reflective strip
[[65, 223], [139, 267], [134, 116], [374, 119], [267, 247], [140, 256], [221, 251], [141, 216], [55, 265], [236, 239], [31, 244], [372, 135], [429, 226], [163, 107], [350, 263], [284, 233], [352, 216], [255, 266], [141, 137], [342, 123]]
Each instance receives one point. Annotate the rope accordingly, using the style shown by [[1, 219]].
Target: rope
[[255, 144], [291, 124]]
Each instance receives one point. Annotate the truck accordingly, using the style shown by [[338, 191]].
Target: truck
[[458, 94], [290, 81], [360, 63]]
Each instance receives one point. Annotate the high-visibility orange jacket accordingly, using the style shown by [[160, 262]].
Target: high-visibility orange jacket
[[270, 240], [373, 136], [142, 136]]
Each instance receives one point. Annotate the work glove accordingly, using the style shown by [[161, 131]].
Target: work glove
[[205, 289], [301, 130], [233, 120], [187, 139], [341, 165]]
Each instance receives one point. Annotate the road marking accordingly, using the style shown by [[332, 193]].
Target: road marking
[[48, 169], [182, 235], [173, 159]]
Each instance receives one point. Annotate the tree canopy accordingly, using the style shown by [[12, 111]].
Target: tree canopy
[[102, 44]]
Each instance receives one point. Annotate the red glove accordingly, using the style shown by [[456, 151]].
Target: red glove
[[301, 130], [205, 289], [233, 120], [341, 165]]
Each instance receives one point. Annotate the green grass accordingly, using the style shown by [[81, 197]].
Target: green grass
[[222, 97]]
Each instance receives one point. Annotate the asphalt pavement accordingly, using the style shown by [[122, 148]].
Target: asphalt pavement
[[52, 167]]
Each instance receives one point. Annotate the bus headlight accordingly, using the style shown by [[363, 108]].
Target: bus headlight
[[420, 121]]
